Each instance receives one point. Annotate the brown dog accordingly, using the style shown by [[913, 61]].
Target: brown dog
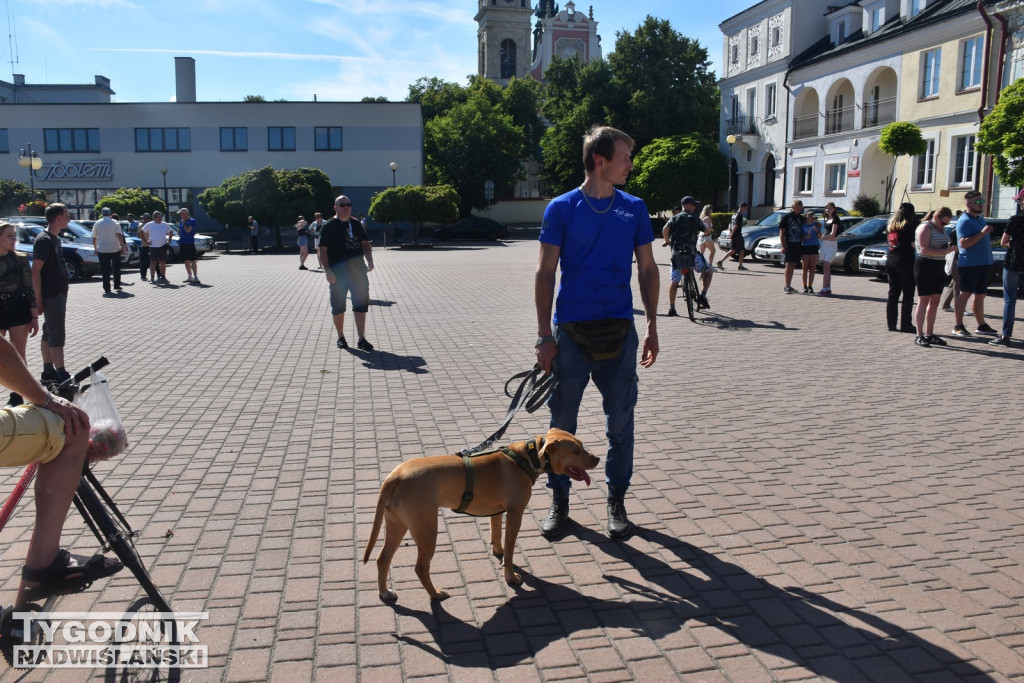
[[413, 493]]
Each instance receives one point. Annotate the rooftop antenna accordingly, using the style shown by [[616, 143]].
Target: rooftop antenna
[[12, 38]]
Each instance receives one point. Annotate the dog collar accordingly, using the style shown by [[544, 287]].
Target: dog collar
[[533, 449]]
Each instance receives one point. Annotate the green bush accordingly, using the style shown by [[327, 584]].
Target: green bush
[[866, 205], [720, 222]]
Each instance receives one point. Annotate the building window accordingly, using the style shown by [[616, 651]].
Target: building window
[[930, 65], [804, 180], [877, 18], [281, 139], [508, 58], [734, 107], [752, 102], [924, 168], [840, 32], [734, 54], [163, 139], [776, 36], [72, 139], [835, 176], [5, 146], [327, 139], [769, 101], [915, 8], [964, 159], [234, 139], [755, 45], [970, 63]]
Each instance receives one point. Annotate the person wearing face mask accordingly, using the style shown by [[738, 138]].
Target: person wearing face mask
[[932, 244]]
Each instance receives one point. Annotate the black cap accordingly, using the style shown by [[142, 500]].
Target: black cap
[[687, 200]]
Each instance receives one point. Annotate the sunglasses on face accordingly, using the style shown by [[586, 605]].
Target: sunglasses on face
[[343, 204], [976, 201]]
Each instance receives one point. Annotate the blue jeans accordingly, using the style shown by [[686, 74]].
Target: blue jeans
[[617, 381], [1011, 281]]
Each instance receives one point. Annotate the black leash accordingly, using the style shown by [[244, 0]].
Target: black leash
[[533, 392]]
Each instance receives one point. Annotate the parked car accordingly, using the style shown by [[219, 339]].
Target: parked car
[[476, 227], [204, 243], [770, 249], [852, 241], [80, 260], [78, 233], [767, 227], [872, 260]]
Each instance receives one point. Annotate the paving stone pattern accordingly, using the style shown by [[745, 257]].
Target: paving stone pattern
[[818, 498]]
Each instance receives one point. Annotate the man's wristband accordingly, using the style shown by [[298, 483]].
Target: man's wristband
[[544, 339], [46, 403]]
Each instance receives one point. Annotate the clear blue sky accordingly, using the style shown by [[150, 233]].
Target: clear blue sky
[[286, 49]]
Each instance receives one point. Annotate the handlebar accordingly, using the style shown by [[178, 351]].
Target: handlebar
[[66, 389]]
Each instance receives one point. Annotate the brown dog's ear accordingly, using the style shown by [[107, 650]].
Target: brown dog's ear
[[558, 438]]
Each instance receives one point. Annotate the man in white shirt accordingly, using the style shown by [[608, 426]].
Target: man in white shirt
[[159, 234], [109, 243]]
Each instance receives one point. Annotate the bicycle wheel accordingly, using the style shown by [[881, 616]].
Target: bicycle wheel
[[690, 292], [128, 669], [114, 533]]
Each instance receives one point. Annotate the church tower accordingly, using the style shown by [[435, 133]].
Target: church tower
[[504, 40]]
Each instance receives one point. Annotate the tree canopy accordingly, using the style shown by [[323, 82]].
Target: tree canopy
[[133, 200], [14, 193], [276, 198], [899, 138], [1002, 135], [667, 168], [416, 204]]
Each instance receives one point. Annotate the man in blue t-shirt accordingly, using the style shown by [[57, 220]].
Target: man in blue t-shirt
[[974, 261], [593, 233], [187, 245]]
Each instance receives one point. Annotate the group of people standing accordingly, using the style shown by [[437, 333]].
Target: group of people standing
[[806, 240], [922, 253]]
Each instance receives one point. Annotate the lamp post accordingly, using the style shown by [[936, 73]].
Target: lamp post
[[394, 183], [167, 203], [731, 139], [33, 162]]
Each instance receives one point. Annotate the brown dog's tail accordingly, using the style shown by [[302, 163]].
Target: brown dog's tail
[[378, 517]]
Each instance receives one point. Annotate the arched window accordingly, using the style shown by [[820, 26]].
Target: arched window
[[508, 58]]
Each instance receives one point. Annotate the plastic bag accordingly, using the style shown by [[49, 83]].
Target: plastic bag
[[107, 436]]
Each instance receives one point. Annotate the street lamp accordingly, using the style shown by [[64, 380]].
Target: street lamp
[[167, 203], [394, 170], [33, 162], [731, 139]]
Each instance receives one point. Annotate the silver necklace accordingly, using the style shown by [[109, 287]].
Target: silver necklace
[[587, 200]]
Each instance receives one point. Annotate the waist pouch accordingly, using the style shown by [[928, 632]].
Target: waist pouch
[[599, 339]]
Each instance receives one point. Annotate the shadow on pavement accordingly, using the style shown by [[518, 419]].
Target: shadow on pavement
[[833, 641], [385, 360], [724, 322]]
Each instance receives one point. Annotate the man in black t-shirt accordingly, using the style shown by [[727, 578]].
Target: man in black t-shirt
[[791, 233], [681, 233], [50, 281], [736, 237], [343, 247]]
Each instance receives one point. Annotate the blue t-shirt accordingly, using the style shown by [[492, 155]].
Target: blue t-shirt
[[811, 233], [980, 254], [187, 237], [596, 256]]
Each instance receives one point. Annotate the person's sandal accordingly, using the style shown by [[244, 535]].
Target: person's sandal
[[61, 577]]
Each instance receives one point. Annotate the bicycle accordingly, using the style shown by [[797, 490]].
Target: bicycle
[[690, 292], [115, 534]]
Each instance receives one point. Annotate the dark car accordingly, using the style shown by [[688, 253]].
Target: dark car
[[768, 226], [476, 227]]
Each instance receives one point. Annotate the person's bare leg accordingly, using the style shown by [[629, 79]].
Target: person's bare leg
[[959, 306], [339, 324], [360, 319], [979, 309]]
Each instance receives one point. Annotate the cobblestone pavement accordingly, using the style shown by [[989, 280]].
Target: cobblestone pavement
[[818, 498]]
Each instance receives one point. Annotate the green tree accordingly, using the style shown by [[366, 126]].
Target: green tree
[[668, 168], [1002, 135], [254, 98], [416, 204], [470, 144], [436, 96], [275, 198], [133, 200], [899, 138], [667, 82], [14, 193], [375, 99]]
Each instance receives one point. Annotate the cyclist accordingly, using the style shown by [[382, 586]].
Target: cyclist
[[54, 433], [681, 233]]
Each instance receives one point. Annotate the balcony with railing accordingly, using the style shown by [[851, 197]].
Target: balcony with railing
[[879, 112], [805, 127], [838, 120], [742, 125]]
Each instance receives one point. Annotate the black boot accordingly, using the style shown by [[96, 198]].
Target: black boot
[[553, 525], [619, 525]]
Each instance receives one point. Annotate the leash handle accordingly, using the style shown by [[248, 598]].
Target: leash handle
[[530, 394]]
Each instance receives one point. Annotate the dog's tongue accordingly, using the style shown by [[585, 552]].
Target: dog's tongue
[[578, 474]]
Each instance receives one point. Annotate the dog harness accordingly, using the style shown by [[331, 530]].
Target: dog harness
[[530, 465]]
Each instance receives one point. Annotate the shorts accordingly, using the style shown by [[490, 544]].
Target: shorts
[[55, 312], [157, 254], [737, 244], [15, 310], [303, 241], [706, 239], [930, 275], [676, 274], [794, 252], [828, 250], [350, 276], [811, 249], [188, 252], [29, 434], [974, 279]]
